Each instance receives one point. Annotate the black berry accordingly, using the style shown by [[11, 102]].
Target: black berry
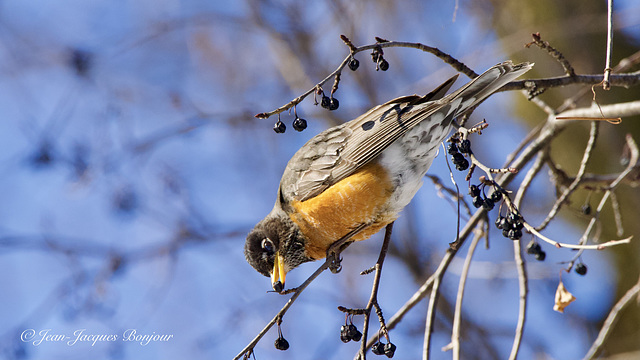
[[281, 344], [462, 165], [541, 256], [279, 127], [581, 269], [488, 204], [377, 348], [384, 65], [376, 55], [344, 337], [477, 201], [465, 146], [518, 225], [325, 101], [460, 162], [457, 157], [515, 221], [452, 149], [351, 330], [496, 196], [515, 234], [474, 190], [333, 104], [389, 350], [513, 218], [501, 221], [353, 64], [533, 248], [299, 124]]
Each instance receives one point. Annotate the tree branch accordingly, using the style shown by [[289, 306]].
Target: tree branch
[[611, 319]]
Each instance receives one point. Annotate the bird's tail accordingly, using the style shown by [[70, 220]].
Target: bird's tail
[[484, 85]]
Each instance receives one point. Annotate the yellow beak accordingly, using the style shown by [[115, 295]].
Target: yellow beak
[[278, 274]]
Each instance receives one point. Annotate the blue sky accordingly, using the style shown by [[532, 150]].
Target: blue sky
[[128, 188]]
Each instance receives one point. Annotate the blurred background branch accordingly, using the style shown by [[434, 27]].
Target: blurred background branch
[[133, 167]]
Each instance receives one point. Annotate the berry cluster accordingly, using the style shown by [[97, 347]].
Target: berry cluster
[[387, 349], [379, 60], [481, 200], [511, 226], [535, 249], [329, 103], [456, 152], [299, 124], [349, 332]]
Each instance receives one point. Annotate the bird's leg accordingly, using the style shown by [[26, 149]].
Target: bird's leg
[[333, 252]]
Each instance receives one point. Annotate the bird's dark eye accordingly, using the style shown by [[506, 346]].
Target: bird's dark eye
[[267, 246]]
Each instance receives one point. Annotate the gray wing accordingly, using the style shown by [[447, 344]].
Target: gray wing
[[340, 151]]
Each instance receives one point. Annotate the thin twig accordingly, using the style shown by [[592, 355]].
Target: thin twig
[[420, 293], [617, 215], [373, 299], [454, 196], [455, 244], [593, 135], [626, 80], [623, 65], [528, 178], [527, 139], [635, 156], [553, 52], [457, 315], [280, 314], [456, 64], [606, 85], [489, 170], [595, 182], [431, 310], [631, 108], [523, 279], [611, 319], [522, 307]]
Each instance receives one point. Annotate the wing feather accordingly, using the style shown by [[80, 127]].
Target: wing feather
[[338, 152]]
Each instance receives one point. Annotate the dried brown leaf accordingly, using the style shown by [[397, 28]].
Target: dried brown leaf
[[563, 298]]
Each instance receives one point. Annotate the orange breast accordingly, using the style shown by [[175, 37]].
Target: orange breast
[[358, 199]]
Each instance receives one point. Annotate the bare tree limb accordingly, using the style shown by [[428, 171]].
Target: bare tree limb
[[611, 319]]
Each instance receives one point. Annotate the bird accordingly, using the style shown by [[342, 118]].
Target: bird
[[355, 178]]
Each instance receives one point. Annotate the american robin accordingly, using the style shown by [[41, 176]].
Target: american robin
[[355, 178]]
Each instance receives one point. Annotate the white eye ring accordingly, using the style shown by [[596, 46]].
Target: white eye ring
[[267, 246]]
